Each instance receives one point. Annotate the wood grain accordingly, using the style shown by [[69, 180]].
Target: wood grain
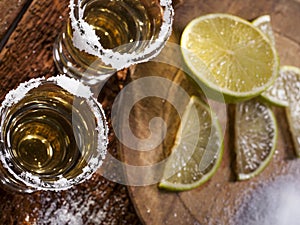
[[217, 201], [28, 52], [10, 14]]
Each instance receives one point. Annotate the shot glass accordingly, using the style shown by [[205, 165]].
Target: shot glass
[[103, 36], [53, 135]]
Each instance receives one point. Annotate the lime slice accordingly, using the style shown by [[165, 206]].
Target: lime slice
[[229, 55], [285, 88], [197, 151], [264, 24], [275, 93], [292, 85], [255, 138], [293, 115]]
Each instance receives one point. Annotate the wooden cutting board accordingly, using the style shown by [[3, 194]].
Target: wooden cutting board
[[219, 200]]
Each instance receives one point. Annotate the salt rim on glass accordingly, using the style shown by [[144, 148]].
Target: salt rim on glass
[[85, 38], [75, 88]]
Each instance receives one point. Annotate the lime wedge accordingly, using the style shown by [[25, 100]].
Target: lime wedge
[[275, 93], [197, 151], [285, 89], [229, 55], [264, 24], [293, 115], [292, 87], [255, 138]]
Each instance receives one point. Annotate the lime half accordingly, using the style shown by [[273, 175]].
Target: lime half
[[255, 138], [229, 55], [197, 151]]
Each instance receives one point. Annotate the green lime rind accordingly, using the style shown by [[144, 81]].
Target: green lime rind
[[273, 100], [164, 184], [170, 180]]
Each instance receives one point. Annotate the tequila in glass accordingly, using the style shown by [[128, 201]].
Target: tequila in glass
[[103, 36], [53, 135]]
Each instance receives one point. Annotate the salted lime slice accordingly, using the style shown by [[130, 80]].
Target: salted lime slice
[[276, 92], [292, 88], [197, 150], [285, 89], [293, 115], [229, 55], [264, 24], [255, 138]]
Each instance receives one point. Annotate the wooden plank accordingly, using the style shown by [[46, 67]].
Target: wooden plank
[[10, 14], [217, 201], [28, 54]]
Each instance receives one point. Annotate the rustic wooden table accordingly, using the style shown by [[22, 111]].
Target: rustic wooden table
[[28, 29]]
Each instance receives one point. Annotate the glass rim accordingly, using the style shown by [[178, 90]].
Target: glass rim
[[113, 58], [75, 88]]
